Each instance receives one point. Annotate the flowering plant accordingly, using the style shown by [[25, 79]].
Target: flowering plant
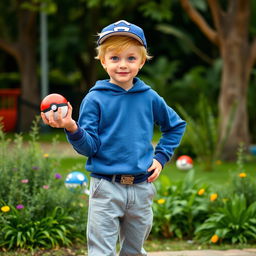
[[179, 207], [242, 183], [36, 209], [233, 223]]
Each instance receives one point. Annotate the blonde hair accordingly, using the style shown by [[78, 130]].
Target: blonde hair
[[120, 43]]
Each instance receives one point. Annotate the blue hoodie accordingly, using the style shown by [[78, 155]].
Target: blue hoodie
[[115, 129]]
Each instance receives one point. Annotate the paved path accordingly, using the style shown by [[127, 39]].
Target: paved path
[[244, 252], [64, 149]]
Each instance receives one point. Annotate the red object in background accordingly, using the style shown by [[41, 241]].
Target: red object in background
[[9, 108], [184, 163]]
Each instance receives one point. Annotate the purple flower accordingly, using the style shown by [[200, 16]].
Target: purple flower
[[45, 187], [57, 176], [20, 206], [35, 168], [24, 181]]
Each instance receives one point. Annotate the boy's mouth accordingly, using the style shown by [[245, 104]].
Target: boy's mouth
[[122, 73]]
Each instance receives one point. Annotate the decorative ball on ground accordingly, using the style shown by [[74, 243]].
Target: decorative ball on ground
[[53, 102], [184, 163], [76, 180]]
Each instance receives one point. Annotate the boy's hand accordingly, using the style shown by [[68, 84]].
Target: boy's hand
[[157, 167], [67, 122]]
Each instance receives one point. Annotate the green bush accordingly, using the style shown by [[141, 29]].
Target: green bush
[[180, 207], [37, 210], [241, 182], [202, 133], [188, 209], [235, 223], [18, 230]]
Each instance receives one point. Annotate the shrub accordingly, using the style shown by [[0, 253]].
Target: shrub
[[18, 230], [36, 208], [180, 207], [235, 223], [242, 183], [202, 133]]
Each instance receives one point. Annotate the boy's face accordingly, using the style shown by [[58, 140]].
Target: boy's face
[[123, 66]]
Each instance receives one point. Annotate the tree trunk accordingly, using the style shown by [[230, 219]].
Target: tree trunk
[[235, 52], [30, 100], [26, 59], [233, 98]]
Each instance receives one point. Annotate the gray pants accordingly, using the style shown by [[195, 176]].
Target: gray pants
[[119, 210]]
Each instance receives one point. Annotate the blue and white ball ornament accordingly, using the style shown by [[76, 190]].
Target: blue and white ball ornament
[[75, 180]]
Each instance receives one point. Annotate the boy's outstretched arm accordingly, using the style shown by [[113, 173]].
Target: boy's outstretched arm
[[85, 139]]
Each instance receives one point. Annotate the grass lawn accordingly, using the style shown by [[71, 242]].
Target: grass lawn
[[47, 134], [218, 176], [221, 174]]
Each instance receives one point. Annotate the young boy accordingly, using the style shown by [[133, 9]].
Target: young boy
[[114, 131]]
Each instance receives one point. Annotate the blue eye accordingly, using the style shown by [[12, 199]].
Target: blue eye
[[131, 58], [115, 58]]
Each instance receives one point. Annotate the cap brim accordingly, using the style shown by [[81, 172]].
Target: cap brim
[[115, 33]]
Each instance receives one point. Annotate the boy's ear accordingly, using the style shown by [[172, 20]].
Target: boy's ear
[[142, 64], [102, 61]]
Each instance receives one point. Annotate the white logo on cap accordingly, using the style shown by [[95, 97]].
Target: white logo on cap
[[123, 21], [121, 28]]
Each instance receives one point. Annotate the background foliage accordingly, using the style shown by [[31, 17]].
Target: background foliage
[[187, 64], [37, 210]]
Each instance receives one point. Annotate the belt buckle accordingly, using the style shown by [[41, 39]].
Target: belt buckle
[[127, 179]]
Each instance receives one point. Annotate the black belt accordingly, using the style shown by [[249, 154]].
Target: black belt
[[123, 179]]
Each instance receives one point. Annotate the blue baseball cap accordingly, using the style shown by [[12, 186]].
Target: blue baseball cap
[[122, 28]]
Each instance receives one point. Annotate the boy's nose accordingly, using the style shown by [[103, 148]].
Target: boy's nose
[[122, 64]]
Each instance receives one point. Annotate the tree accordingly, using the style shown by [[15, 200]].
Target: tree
[[18, 37], [231, 35], [23, 48]]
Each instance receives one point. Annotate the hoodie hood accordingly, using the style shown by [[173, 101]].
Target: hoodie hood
[[105, 85]]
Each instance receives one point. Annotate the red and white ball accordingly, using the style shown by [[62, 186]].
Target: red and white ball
[[53, 102], [184, 163]]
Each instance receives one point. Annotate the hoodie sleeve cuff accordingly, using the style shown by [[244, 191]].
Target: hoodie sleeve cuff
[[77, 135], [161, 159]]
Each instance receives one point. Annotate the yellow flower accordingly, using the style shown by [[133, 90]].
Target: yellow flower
[[213, 197], [214, 239], [5, 208], [161, 201], [218, 162], [201, 191], [46, 155], [242, 175]]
